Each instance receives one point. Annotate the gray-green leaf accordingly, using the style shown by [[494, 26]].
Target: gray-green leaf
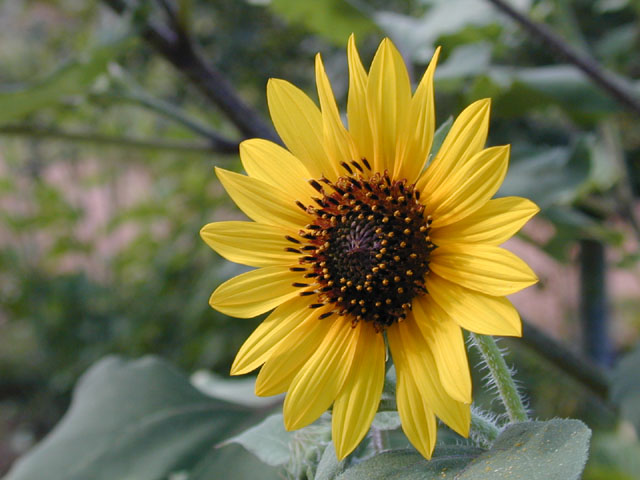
[[269, 441], [410, 465], [529, 450], [129, 420], [534, 451]]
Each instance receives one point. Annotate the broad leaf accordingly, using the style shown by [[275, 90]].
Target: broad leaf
[[410, 465], [233, 461], [269, 441], [329, 466], [529, 450], [137, 420], [534, 451], [559, 84], [558, 172], [240, 391]]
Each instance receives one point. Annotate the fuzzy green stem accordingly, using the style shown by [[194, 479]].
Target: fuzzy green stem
[[501, 377], [483, 430]]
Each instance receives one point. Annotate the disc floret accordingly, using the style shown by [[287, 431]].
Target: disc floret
[[367, 248]]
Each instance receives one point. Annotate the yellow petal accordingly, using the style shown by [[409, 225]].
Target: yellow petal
[[446, 342], [266, 338], [250, 243], [358, 401], [299, 123], [290, 355], [467, 137], [414, 143], [418, 420], [388, 99], [262, 202], [274, 165], [469, 187], [359, 126], [494, 223], [475, 311], [337, 140], [256, 292], [484, 268], [319, 381], [413, 358]]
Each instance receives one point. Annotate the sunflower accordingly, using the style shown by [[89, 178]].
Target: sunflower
[[361, 243]]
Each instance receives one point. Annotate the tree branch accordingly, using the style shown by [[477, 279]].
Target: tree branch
[[176, 47], [124, 142], [588, 65]]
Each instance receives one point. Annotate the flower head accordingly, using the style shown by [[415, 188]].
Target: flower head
[[353, 237]]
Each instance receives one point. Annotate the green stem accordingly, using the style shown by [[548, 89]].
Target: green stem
[[501, 377], [483, 430]]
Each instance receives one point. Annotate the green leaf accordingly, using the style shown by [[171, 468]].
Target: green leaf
[[534, 451], [238, 390], [555, 84], [333, 19], [73, 78], [466, 61], [528, 450], [233, 461], [410, 465], [269, 441], [137, 420], [329, 466], [558, 172], [625, 387]]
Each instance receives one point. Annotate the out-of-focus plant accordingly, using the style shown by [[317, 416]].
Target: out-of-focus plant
[[112, 115]]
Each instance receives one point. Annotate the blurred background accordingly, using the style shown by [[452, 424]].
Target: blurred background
[[108, 139]]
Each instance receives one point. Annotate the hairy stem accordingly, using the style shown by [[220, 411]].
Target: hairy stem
[[501, 377], [483, 430]]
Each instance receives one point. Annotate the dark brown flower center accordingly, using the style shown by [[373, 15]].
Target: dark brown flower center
[[368, 246]]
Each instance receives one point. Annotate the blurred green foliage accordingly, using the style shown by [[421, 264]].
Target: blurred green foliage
[[99, 247]]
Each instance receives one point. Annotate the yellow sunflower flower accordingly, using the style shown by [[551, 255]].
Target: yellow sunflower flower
[[353, 237]]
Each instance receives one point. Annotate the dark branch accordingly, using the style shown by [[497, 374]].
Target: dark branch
[[589, 66], [123, 142], [587, 373], [180, 50]]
